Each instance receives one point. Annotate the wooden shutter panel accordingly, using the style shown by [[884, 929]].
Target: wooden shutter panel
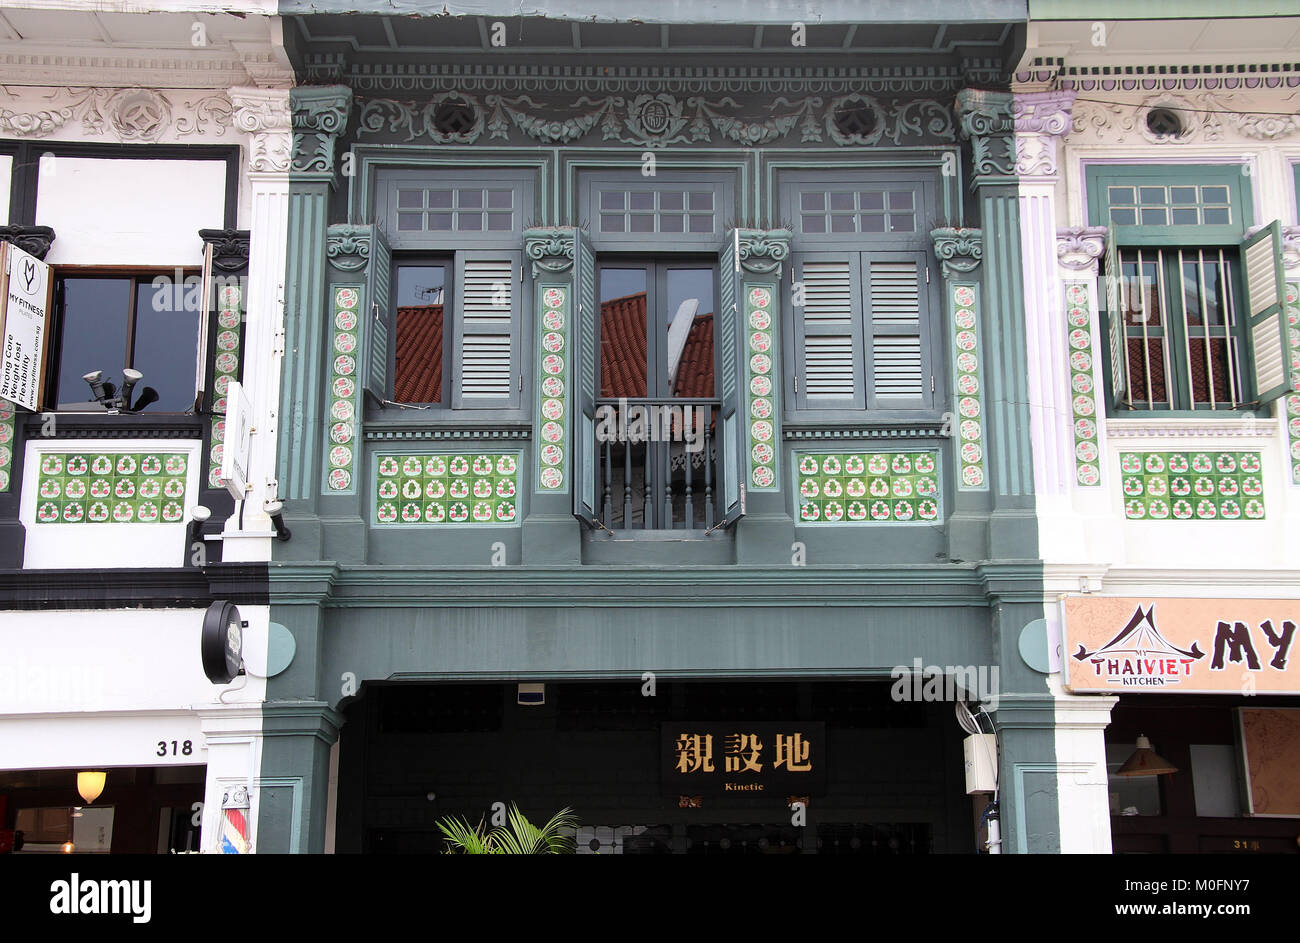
[[828, 332], [582, 372], [373, 362], [487, 329], [734, 434], [1115, 305], [205, 322], [1261, 256], [895, 298]]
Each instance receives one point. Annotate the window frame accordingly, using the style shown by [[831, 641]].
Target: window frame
[[1170, 238], [138, 275], [860, 249]]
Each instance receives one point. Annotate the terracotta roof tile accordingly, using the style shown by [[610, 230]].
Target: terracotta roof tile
[[417, 373], [623, 351]]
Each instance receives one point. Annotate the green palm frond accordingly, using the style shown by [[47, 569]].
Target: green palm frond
[[465, 840], [518, 836]]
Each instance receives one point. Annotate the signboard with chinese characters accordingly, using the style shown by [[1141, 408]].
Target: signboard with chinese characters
[[777, 760], [23, 321], [1189, 646]]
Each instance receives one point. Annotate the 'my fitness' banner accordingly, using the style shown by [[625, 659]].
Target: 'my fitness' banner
[[1204, 646]]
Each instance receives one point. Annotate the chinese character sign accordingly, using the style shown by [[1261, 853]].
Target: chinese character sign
[[707, 758]]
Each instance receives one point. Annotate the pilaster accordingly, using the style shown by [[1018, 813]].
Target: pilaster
[[293, 783]]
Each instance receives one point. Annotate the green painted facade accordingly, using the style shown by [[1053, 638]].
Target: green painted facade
[[541, 596]]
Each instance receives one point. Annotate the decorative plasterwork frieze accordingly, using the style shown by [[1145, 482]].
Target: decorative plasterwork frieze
[[263, 114], [319, 115], [107, 67], [1291, 247], [959, 251], [1206, 117], [229, 248], [763, 250], [1079, 247], [33, 239], [550, 248], [659, 120], [347, 246], [987, 121], [128, 115]]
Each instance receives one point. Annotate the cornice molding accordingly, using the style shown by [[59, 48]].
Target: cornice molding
[[229, 248], [762, 251], [111, 68], [33, 239], [1244, 426], [1079, 248], [347, 246], [959, 251], [130, 115], [550, 248]]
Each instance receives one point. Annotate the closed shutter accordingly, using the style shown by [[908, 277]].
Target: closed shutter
[[205, 327], [377, 321], [898, 358], [734, 432], [828, 332], [1265, 313], [582, 371], [1115, 305], [487, 329]]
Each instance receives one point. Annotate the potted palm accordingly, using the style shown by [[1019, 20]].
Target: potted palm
[[517, 837]]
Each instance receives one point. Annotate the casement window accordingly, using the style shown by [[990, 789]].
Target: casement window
[[108, 320], [446, 282], [1193, 310], [863, 329]]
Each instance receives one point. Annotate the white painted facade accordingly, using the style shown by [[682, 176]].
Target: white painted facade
[[101, 687], [1066, 122]]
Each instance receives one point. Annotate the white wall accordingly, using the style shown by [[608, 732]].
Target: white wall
[[129, 212], [6, 182]]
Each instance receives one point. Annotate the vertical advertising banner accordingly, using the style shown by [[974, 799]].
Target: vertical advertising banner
[[23, 323]]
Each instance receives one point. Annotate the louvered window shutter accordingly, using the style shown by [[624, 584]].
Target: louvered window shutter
[[1265, 314], [377, 318], [582, 372], [734, 431], [828, 332], [488, 294], [1115, 305], [898, 357]]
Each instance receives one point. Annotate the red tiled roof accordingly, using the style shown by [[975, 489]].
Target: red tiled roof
[[417, 373], [623, 351]]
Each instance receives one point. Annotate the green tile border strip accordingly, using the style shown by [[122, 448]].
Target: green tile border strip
[[93, 487], [868, 487], [1291, 412], [553, 361], [344, 391], [446, 488], [762, 408], [8, 423], [225, 367], [1083, 383], [968, 396], [1193, 485]]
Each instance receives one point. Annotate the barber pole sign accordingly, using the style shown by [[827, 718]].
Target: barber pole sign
[[234, 822]]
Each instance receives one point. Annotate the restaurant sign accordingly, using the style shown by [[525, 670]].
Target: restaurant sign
[[1191, 646], [764, 759]]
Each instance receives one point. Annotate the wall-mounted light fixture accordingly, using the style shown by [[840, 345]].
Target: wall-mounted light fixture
[[90, 785], [276, 511]]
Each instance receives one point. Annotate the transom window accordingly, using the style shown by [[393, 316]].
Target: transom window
[[863, 211], [674, 210], [656, 211], [444, 209], [1156, 205]]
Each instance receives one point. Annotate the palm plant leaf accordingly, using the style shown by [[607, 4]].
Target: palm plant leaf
[[468, 841]]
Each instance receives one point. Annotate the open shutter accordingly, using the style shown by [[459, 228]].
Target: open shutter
[[734, 433], [1265, 314], [487, 329], [1115, 305], [205, 320], [828, 332], [378, 318], [582, 374], [899, 359]]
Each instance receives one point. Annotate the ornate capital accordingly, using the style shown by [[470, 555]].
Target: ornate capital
[[33, 239], [229, 248], [263, 114], [319, 115], [959, 251], [1291, 247], [1079, 247], [763, 250], [347, 245], [1042, 112], [550, 248], [986, 119]]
